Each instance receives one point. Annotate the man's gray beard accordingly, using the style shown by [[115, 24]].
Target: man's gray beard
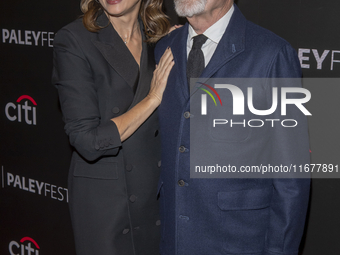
[[189, 8]]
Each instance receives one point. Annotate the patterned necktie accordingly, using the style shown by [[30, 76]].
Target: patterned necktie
[[195, 65]]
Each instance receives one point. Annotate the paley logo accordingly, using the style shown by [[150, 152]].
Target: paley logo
[[24, 245], [28, 37], [34, 186], [239, 104], [305, 56], [14, 111]]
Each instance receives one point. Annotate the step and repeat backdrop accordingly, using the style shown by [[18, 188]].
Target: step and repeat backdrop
[[35, 154]]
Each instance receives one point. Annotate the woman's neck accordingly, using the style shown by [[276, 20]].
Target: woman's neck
[[126, 25]]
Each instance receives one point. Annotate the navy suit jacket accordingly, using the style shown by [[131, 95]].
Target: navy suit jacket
[[231, 216]]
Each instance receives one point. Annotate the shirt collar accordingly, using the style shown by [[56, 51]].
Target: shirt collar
[[216, 31]]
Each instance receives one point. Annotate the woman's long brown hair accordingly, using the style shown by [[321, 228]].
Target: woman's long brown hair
[[156, 23]]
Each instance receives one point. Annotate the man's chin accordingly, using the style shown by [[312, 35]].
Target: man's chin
[[188, 11], [187, 15]]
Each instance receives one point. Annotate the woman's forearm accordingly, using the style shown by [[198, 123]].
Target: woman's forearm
[[130, 121]]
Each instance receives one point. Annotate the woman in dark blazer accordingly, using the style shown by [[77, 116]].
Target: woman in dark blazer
[[103, 69]]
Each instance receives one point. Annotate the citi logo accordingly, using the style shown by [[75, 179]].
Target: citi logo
[[24, 247], [20, 111], [204, 97]]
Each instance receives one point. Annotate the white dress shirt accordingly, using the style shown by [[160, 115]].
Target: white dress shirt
[[214, 34]]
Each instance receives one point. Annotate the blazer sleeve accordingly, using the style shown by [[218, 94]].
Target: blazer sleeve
[[288, 146], [91, 135]]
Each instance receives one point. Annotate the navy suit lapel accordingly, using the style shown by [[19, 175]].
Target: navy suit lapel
[[114, 51], [179, 51], [232, 43]]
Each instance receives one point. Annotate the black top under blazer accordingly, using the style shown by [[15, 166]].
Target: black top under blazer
[[112, 184]]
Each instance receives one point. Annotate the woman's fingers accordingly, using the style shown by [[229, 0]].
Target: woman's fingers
[[165, 61], [167, 65], [164, 71], [161, 74], [168, 68], [174, 28], [166, 55]]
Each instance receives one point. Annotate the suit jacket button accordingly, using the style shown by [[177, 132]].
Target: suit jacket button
[[182, 149], [125, 231], [183, 217], [133, 198], [129, 168], [156, 133], [115, 110], [158, 223], [187, 115], [159, 163], [181, 183]]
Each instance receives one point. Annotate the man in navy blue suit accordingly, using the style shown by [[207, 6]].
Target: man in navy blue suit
[[215, 216]]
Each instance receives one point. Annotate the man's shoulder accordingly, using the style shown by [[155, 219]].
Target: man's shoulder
[[168, 40], [264, 46], [263, 39]]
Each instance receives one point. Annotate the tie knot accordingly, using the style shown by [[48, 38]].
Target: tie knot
[[199, 40]]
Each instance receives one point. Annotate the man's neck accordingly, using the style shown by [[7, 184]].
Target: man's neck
[[201, 22]]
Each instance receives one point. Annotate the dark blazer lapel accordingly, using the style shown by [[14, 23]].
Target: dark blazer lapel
[[179, 51], [147, 66], [232, 43], [114, 51]]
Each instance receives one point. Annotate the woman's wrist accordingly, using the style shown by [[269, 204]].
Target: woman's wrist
[[154, 99]]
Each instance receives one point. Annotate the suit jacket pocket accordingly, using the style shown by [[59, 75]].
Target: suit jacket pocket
[[244, 218], [100, 170], [245, 199]]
